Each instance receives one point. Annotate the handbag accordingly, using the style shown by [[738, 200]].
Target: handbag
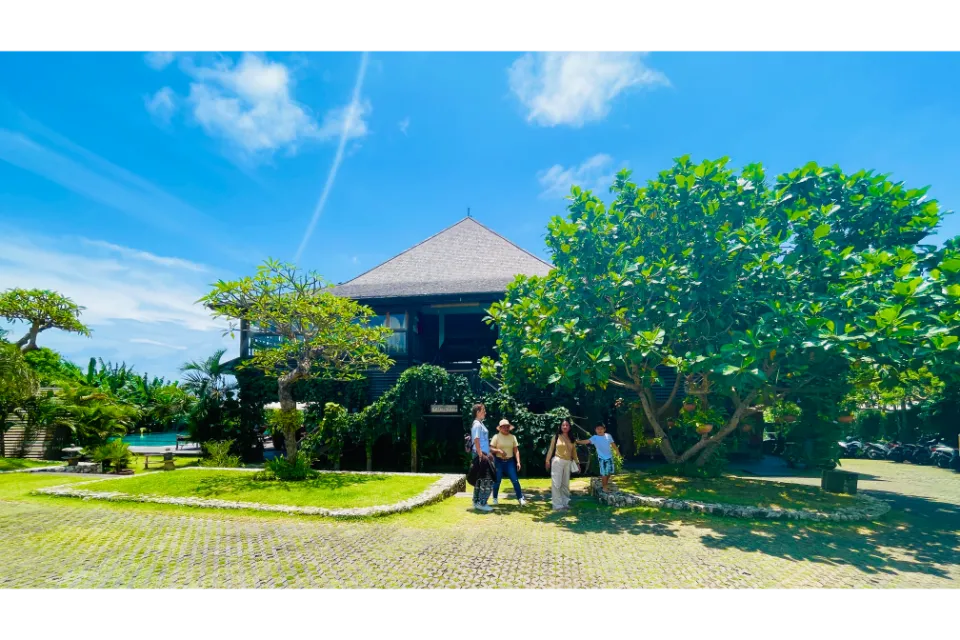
[[574, 466]]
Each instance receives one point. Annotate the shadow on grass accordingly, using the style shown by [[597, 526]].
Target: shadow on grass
[[219, 485]]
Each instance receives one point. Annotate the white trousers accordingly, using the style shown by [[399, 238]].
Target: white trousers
[[560, 482]]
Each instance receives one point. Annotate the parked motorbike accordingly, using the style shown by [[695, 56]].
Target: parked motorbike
[[895, 451], [876, 450], [918, 452], [943, 456], [851, 447]]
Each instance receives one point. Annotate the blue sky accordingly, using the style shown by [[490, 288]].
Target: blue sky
[[130, 182]]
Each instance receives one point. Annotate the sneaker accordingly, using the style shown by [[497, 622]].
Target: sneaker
[[496, 502], [483, 508], [523, 502]]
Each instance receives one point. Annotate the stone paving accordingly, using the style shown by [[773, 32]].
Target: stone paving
[[62, 542]]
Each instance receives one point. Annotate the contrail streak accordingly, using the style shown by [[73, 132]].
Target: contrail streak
[[338, 158]]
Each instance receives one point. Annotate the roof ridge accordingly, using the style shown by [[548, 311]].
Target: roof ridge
[[442, 231]]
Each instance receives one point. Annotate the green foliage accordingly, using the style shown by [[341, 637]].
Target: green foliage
[[41, 309], [115, 453], [331, 436], [207, 377], [319, 334], [50, 367], [18, 384], [781, 411], [750, 293], [279, 468], [218, 454]]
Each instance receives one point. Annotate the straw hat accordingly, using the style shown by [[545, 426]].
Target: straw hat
[[505, 422]]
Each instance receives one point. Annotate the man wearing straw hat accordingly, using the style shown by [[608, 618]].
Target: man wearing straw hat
[[504, 446]]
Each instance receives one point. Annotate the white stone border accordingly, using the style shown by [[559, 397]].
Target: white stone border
[[51, 469], [448, 485], [868, 509]]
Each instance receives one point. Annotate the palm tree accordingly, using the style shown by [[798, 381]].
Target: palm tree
[[18, 384], [207, 377]]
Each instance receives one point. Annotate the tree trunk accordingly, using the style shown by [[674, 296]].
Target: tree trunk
[[287, 406], [369, 447], [665, 445], [336, 462], [29, 341], [413, 447]]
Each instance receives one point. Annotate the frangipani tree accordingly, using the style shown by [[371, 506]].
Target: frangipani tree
[[752, 294], [41, 309], [321, 334]]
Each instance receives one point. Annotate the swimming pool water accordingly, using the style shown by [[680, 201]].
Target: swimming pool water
[[168, 439]]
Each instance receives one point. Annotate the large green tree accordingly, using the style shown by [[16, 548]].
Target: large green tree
[[752, 294], [321, 334], [41, 309], [18, 383]]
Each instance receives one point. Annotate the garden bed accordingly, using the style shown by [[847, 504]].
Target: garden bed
[[738, 498], [347, 494]]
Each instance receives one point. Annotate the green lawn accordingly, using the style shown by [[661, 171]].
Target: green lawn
[[178, 462], [330, 490], [13, 464], [731, 490]]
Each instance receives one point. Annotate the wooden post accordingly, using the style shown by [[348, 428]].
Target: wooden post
[[413, 447]]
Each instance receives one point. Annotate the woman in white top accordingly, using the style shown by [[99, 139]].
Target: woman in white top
[[560, 458]]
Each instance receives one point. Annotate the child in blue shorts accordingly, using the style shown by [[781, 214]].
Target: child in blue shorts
[[605, 445]]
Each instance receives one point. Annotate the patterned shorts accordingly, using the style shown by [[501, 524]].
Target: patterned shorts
[[606, 466]]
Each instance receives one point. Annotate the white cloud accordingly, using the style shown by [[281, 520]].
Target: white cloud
[[159, 59], [162, 105], [595, 173], [174, 263], [157, 343], [141, 307], [250, 106], [85, 173], [576, 88], [404, 125]]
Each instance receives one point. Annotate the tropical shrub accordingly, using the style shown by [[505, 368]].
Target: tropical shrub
[[280, 468], [115, 453], [218, 455]]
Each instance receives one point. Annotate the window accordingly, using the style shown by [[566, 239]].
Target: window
[[396, 320]]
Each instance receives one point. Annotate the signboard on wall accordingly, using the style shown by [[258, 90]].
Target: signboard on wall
[[444, 408]]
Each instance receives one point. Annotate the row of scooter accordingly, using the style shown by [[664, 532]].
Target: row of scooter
[[929, 450]]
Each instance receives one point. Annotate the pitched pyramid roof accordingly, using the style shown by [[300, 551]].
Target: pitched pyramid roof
[[465, 258]]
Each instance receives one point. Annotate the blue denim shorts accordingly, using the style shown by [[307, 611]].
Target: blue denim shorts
[[606, 466]]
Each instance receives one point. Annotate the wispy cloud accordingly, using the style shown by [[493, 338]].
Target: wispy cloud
[[404, 125], [159, 59], [141, 307], [250, 106], [576, 88], [46, 153], [162, 105], [157, 343], [145, 256], [348, 126], [595, 173]]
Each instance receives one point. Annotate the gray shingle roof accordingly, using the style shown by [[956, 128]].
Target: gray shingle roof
[[465, 258]]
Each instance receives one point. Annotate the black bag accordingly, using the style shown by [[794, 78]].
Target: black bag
[[478, 470]]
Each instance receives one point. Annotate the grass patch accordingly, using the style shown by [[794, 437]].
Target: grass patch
[[732, 490], [329, 490], [15, 464], [14, 486], [179, 463]]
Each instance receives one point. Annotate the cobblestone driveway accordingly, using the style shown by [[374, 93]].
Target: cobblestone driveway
[[51, 542]]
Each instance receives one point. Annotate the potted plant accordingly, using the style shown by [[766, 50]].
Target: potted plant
[[706, 419], [115, 454], [846, 413], [783, 411], [689, 404]]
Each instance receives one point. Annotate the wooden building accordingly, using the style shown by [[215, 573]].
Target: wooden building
[[435, 296]]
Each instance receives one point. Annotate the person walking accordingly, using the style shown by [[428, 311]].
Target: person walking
[[507, 451], [560, 459], [481, 457]]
